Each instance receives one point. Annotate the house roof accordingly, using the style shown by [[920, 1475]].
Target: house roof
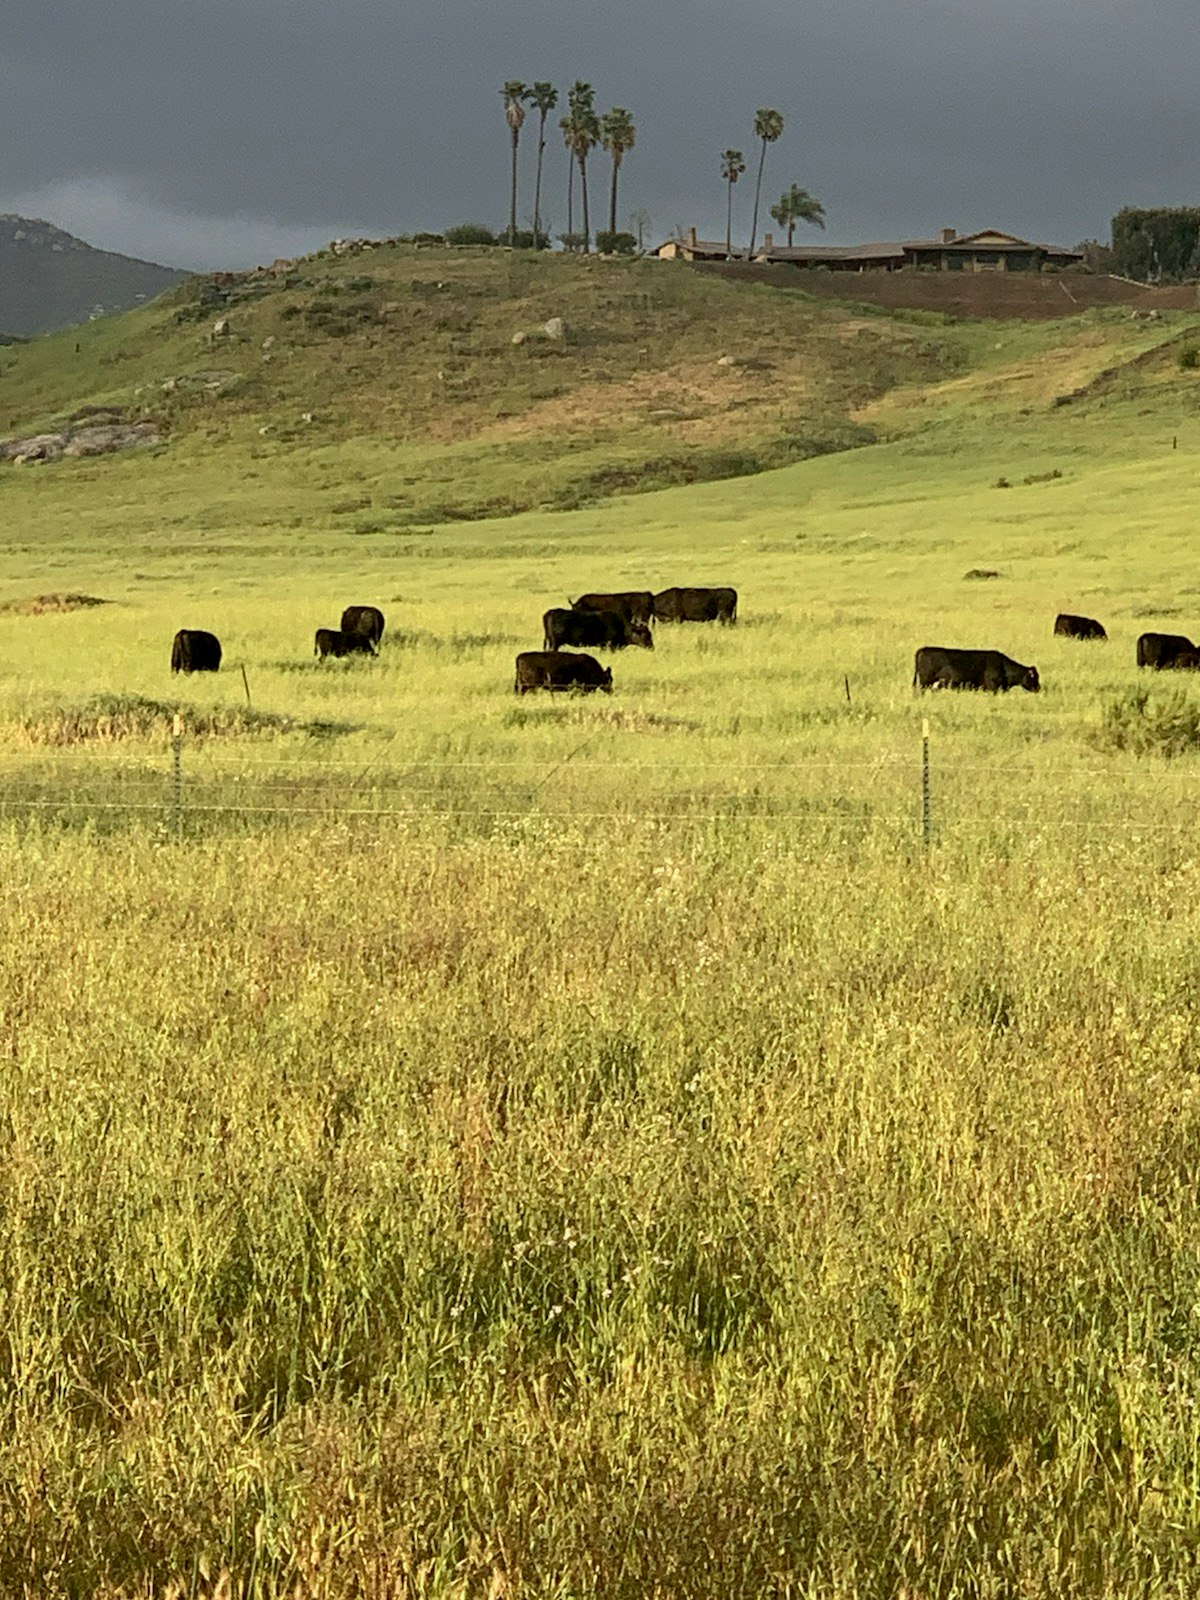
[[831, 252], [986, 239], [710, 247]]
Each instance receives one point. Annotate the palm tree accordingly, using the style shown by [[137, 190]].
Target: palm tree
[[545, 97], [581, 131], [797, 205], [768, 125], [733, 164], [618, 135], [515, 95], [565, 124]]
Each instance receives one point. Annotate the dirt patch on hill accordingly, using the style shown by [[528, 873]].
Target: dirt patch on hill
[[1025, 296], [41, 605]]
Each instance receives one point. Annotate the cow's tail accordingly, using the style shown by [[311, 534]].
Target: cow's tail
[[176, 655]]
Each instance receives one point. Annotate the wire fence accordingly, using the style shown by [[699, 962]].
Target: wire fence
[[918, 792]]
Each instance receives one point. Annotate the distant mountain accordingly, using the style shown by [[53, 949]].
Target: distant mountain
[[49, 279]]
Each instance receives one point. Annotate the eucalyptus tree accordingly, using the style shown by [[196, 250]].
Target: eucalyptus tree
[[768, 125], [543, 97], [515, 95], [797, 205], [733, 164], [618, 135]]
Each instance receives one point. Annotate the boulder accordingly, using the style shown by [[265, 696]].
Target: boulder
[[96, 440], [555, 328]]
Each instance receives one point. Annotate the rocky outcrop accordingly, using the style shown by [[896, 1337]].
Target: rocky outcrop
[[92, 439]]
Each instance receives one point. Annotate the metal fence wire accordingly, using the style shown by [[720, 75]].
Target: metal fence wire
[[919, 791]]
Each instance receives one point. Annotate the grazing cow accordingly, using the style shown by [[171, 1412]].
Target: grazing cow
[[1078, 627], [1162, 650], [604, 630], [971, 669], [195, 651], [553, 669], [367, 620], [334, 642], [696, 605], [635, 605]]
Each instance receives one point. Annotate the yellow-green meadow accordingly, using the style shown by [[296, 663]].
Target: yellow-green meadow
[[564, 1146]]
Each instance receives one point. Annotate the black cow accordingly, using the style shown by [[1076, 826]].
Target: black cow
[[635, 605], [553, 669], [696, 605], [335, 642], [604, 630], [1071, 627], [367, 620], [195, 651], [971, 669], [1162, 650]]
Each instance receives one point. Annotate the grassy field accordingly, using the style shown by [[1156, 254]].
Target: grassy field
[[559, 1147]]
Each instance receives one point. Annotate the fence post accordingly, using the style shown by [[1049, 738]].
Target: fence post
[[926, 789], [177, 751]]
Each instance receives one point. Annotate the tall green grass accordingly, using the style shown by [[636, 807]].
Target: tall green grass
[[553, 1146], [563, 1213]]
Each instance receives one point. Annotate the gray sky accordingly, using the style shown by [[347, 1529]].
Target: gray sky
[[227, 133]]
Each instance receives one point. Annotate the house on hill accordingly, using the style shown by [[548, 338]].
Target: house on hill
[[987, 251]]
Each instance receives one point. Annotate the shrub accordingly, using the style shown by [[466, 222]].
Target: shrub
[[616, 244], [1189, 358], [470, 233], [1144, 725], [526, 239]]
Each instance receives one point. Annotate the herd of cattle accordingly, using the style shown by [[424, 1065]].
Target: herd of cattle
[[604, 621], [616, 621], [611, 622], [938, 668]]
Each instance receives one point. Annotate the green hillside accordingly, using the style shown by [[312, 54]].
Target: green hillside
[[664, 375]]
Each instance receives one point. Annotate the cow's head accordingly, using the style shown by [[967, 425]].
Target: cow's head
[[1030, 680], [639, 633], [606, 680]]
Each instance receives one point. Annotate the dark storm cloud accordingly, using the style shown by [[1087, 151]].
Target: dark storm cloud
[[230, 132]]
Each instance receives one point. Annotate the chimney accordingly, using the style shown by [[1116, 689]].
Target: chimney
[[768, 242], [692, 240], [948, 235]]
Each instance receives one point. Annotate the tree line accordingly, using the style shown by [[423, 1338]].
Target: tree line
[[584, 129], [1157, 245]]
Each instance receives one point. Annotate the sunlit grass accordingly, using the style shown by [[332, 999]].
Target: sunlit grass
[[483, 1145]]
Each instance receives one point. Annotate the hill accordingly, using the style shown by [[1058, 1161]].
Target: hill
[[50, 279], [428, 377]]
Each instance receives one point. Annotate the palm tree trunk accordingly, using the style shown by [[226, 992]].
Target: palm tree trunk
[[612, 205], [762, 161], [512, 216], [729, 220], [537, 188], [587, 232], [571, 199], [791, 231]]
